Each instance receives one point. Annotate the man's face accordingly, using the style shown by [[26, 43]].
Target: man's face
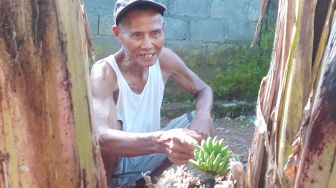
[[142, 37]]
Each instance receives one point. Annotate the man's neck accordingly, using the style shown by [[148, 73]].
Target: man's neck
[[128, 65], [135, 75]]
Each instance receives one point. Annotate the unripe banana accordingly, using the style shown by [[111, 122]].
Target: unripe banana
[[205, 146], [197, 152], [216, 162], [212, 157], [214, 142], [219, 145], [208, 145], [221, 170]]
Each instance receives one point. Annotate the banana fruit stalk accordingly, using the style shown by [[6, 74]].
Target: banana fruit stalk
[[212, 157]]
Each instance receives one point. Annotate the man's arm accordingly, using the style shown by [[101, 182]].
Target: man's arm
[[114, 142], [173, 65]]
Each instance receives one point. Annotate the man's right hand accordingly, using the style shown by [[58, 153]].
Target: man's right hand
[[179, 144]]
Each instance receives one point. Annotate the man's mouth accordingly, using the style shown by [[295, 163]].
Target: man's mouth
[[147, 55]]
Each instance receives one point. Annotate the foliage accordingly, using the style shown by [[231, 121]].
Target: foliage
[[245, 69], [240, 81], [172, 110], [173, 93], [234, 71], [211, 157], [233, 110]]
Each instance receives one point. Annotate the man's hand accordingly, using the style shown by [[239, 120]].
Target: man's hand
[[179, 144], [202, 125]]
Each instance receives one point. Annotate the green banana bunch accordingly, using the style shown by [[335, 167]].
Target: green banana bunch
[[212, 157]]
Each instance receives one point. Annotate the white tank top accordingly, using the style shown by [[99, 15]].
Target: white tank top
[[139, 112]]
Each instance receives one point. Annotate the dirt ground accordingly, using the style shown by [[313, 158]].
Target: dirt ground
[[237, 134]]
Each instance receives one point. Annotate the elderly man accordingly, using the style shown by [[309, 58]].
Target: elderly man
[[127, 90]]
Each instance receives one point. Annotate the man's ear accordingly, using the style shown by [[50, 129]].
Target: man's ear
[[116, 30]]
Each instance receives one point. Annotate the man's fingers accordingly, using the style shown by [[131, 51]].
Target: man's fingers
[[194, 135], [182, 148], [188, 140]]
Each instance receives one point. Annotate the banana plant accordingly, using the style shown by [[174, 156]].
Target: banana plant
[[211, 157]]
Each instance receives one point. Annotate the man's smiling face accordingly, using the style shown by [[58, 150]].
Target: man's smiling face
[[141, 35]]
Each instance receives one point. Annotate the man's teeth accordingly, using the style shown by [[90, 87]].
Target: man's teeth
[[148, 55]]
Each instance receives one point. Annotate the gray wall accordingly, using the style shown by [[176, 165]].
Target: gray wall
[[203, 24]]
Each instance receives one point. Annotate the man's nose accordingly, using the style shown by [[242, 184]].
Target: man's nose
[[147, 42]]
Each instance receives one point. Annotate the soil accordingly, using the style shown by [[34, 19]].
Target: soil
[[237, 135]]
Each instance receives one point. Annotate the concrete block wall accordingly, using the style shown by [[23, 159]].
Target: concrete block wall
[[188, 23]]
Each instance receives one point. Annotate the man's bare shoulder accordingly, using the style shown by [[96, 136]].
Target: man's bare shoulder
[[170, 61], [103, 78], [101, 69], [167, 55]]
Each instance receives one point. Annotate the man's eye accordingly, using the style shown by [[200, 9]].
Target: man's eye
[[137, 35], [156, 33]]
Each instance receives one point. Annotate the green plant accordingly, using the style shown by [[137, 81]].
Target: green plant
[[233, 110], [241, 78], [211, 157]]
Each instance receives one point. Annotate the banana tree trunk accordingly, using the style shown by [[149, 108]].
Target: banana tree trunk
[[262, 167], [317, 165], [45, 135], [296, 84], [286, 95]]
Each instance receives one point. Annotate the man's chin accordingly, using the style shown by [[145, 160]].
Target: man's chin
[[148, 62]]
